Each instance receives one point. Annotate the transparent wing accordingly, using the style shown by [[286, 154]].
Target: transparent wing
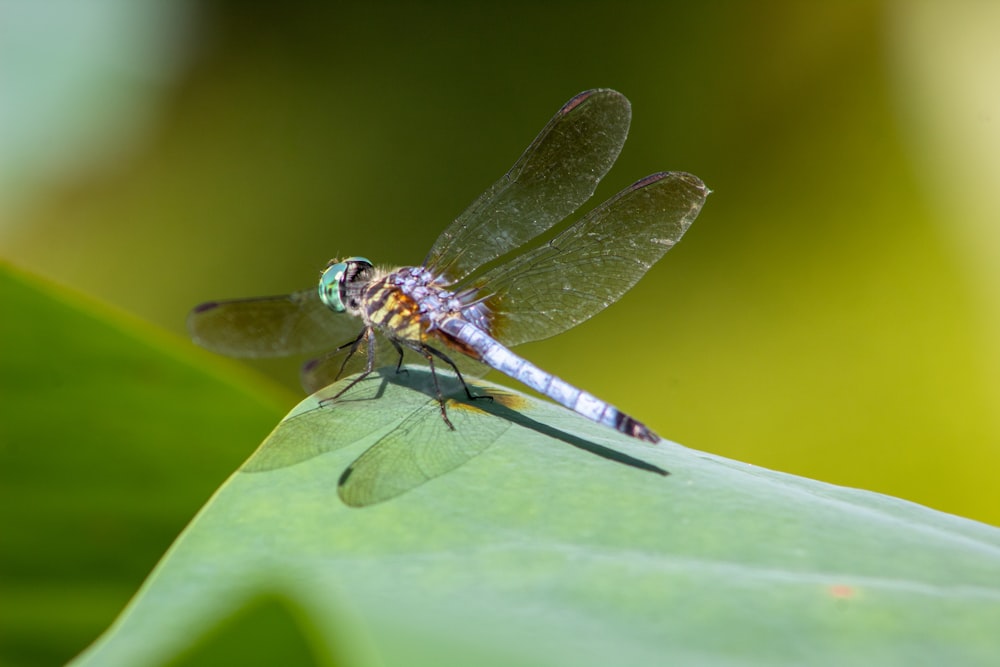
[[329, 425], [274, 326], [420, 449], [591, 264], [555, 175], [417, 448]]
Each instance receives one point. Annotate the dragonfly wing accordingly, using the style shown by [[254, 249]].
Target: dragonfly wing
[[591, 264], [421, 448], [331, 424], [270, 326], [556, 174]]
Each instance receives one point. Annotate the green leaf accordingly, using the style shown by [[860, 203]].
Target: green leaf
[[535, 537], [110, 440], [551, 540]]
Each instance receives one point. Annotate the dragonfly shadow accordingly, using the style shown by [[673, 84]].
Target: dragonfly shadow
[[503, 405]]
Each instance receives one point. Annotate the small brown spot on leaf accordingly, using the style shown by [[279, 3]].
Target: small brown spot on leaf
[[842, 591]]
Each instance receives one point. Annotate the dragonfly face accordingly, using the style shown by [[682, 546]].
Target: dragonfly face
[[492, 279]]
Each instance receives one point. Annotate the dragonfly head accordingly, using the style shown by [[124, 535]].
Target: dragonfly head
[[337, 278]]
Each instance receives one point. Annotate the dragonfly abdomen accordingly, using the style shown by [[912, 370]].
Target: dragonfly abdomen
[[499, 357]]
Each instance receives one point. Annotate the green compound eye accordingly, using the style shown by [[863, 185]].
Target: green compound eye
[[329, 286], [332, 280]]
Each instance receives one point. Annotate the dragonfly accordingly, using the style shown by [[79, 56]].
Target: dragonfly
[[498, 276]]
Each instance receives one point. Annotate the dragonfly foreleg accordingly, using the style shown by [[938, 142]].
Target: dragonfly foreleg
[[354, 345], [369, 366]]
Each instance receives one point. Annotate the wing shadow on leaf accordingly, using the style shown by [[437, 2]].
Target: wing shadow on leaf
[[411, 443]]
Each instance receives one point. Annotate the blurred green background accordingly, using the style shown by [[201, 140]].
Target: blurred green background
[[833, 313]]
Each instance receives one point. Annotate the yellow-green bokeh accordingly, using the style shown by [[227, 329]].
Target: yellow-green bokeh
[[832, 313]]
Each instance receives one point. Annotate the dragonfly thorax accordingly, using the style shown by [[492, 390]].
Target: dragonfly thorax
[[341, 283], [434, 298]]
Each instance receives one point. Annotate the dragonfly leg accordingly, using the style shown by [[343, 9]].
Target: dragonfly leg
[[399, 364], [369, 366], [428, 353], [468, 392], [354, 345]]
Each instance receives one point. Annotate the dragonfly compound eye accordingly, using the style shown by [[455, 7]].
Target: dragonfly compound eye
[[329, 286], [336, 277]]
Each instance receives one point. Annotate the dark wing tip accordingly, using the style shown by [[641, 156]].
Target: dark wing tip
[[580, 98], [203, 307], [345, 475], [195, 323], [689, 179]]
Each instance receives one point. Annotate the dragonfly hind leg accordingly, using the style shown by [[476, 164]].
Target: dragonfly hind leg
[[468, 392], [429, 353]]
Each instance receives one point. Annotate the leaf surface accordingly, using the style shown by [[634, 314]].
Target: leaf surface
[[557, 542]]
